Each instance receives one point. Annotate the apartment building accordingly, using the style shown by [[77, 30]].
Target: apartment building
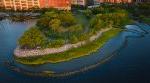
[[20, 4], [1, 3], [62, 5], [59, 4], [79, 2], [33, 3], [27, 4], [8, 4]]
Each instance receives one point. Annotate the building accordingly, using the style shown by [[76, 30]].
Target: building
[[32, 3], [114, 1], [62, 5], [27, 4], [1, 3], [140, 1], [59, 4], [79, 2], [97, 2], [8, 4], [20, 4]]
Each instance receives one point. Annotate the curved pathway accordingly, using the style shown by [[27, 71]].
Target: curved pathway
[[40, 52]]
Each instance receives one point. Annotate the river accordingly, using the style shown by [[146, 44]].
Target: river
[[123, 59]]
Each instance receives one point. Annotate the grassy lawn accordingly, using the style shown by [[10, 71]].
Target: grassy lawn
[[73, 53]]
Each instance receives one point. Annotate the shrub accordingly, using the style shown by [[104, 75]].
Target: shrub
[[74, 39], [56, 43]]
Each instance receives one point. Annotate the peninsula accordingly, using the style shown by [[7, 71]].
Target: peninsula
[[64, 35]]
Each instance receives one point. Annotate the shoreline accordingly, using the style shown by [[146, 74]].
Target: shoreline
[[72, 53], [41, 52], [64, 74]]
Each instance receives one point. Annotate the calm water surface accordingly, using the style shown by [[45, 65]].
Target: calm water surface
[[130, 61]]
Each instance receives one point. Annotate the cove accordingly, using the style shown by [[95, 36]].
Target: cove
[[120, 47]]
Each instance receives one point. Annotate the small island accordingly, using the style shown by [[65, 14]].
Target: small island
[[64, 35]]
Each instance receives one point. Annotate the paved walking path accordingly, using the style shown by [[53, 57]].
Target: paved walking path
[[40, 52]]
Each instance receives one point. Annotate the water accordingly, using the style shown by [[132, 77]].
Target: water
[[128, 61]]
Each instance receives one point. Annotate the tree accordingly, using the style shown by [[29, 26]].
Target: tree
[[55, 25], [75, 28], [88, 13], [96, 23], [32, 38], [67, 18], [51, 15], [43, 22]]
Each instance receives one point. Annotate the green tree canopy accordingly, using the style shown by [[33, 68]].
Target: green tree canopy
[[55, 25], [32, 38]]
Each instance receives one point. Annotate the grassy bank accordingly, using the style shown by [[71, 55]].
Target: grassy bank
[[73, 53]]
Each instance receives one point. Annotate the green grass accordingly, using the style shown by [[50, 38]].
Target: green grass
[[73, 53]]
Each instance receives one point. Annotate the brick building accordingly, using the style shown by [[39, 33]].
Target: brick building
[[59, 4]]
